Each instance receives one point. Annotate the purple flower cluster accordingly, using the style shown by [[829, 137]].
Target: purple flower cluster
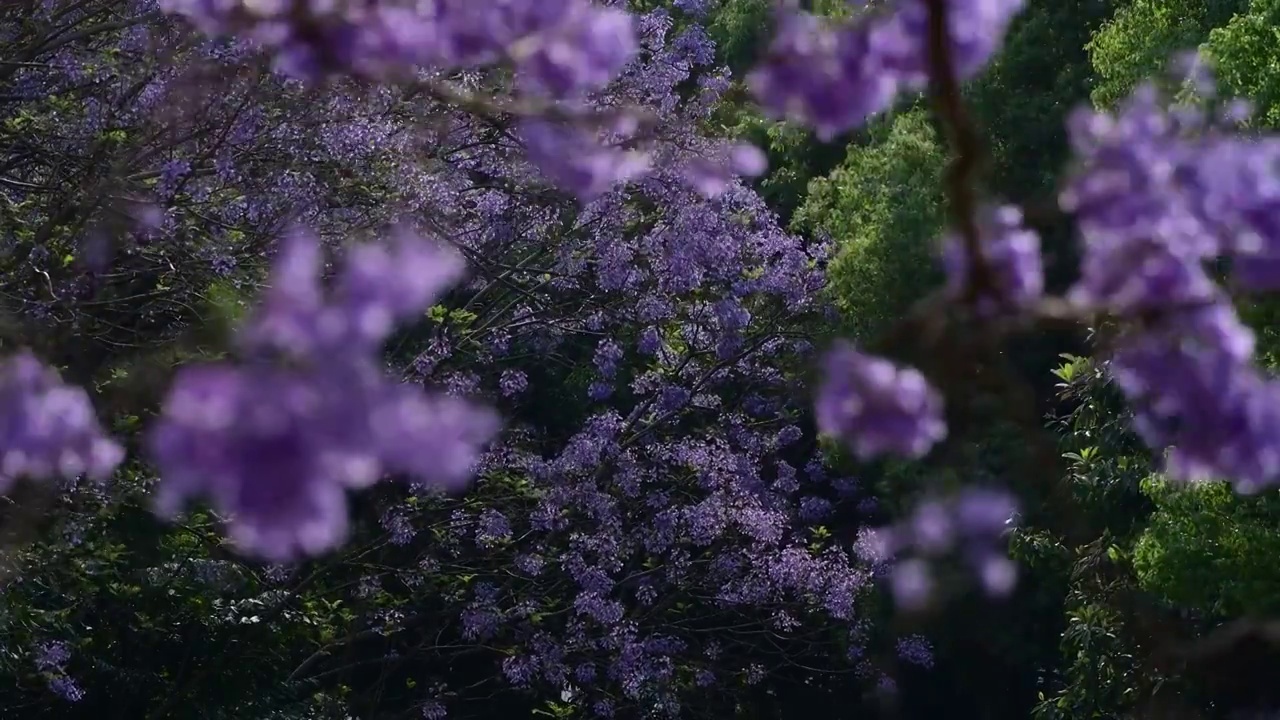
[[970, 522], [712, 175], [48, 429], [678, 472], [1157, 195], [560, 47], [1011, 254], [275, 447], [51, 660], [917, 650], [1146, 213], [834, 77], [877, 407], [52, 656], [1195, 391], [576, 159]]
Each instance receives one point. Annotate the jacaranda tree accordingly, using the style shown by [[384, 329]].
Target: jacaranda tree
[[459, 316]]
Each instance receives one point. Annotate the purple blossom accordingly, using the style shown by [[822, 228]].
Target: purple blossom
[[973, 521], [519, 670], [998, 574], [66, 688], [530, 564], [608, 353], [307, 413], [712, 176], [1195, 392], [261, 442], [833, 77], [171, 175], [599, 391], [585, 673], [52, 656], [650, 341], [814, 509], [917, 650], [276, 448], [48, 429], [975, 29], [983, 512], [384, 284], [731, 316], [492, 528], [1011, 254], [696, 8], [931, 527], [513, 382], [397, 522], [825, 77], [600, 609], [1143, 242], [878, 408], [911, 583], [1157, 194], [572, 158], [581, 52], [788, 435]]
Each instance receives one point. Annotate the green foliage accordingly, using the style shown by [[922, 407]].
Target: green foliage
[[795, 158], [1210, 550], [1081, 541], [1021, 101], [1246, 52], [143, 607], [1099, 663], [1142, 37], [883, 208], [741, 30]]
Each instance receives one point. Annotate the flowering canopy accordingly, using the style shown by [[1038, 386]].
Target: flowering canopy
[[559, 150]]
